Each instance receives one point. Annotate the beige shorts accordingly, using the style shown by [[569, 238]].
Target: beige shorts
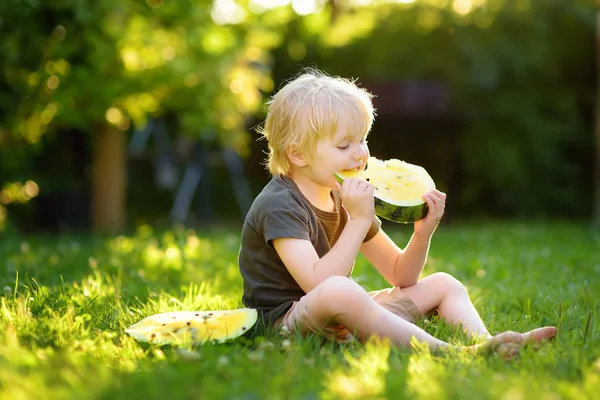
[[393, 300]]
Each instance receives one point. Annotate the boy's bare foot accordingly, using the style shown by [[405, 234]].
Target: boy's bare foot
[[538, 337], [547, 333], [508, 344]]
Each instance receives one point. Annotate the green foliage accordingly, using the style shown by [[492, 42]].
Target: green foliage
[[519, 75], [520, 79], [75, 66], [66, 301], [83, 63]]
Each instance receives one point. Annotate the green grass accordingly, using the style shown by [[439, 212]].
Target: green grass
[[66, 301]]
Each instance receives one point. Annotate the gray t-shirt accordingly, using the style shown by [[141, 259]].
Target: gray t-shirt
[[282, 211]]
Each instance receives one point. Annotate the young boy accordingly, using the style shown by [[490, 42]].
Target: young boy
[[304, 230]]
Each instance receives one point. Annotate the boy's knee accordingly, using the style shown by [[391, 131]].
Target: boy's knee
[[338, 291], [335, 284], [448, 282]]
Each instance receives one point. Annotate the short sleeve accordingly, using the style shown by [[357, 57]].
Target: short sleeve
[[375, 227], [288, 223]]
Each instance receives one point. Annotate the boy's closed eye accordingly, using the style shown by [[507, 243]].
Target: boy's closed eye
[[346, 144]]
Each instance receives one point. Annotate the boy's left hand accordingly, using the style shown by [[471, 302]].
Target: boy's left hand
[[436, 201]]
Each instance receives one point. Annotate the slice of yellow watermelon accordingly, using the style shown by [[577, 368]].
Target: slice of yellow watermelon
[[194, 327], [399, 188]]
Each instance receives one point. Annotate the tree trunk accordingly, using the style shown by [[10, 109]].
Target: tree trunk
[[596, 218], [108, 193]]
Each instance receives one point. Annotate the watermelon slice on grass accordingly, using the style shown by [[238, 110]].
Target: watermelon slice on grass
[[195, 327]]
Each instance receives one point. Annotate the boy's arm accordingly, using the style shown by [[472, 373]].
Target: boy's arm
[[301, 258], [403, 267], [399, 267], [304, 264]]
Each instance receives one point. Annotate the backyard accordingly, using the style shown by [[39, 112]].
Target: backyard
[[131, 148], [67, 300]]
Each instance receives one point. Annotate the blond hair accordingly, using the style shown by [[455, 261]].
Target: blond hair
[[308, 107]]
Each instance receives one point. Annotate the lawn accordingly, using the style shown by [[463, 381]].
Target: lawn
[[66, 301]]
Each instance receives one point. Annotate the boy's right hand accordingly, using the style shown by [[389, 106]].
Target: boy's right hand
[[357, 197]]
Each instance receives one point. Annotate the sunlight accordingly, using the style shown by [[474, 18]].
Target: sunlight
[[18, 192], [362, 3], [138, 105], [32, 128], [113, 115], [226, 12], [49, 113], [305, 7], [173, 254], [53, 82], [244, 83], [31, 189], [60, 66], [424, 374], [217, 40], [142, 47], [122, 245], [168, 53], [462, 7], [260, 6], [365, 376]]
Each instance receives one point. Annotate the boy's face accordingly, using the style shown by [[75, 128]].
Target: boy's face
[[342, 151]]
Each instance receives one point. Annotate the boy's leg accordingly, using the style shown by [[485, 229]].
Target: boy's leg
[[446, 294], [443, 292], [339, 300]]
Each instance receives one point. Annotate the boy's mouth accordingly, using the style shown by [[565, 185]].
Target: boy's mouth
[[355, 169]]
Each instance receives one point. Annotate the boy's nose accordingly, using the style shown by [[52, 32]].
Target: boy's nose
[[361, 154]]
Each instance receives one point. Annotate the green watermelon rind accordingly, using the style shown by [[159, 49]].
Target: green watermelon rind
[[400, 214], [397, 213]]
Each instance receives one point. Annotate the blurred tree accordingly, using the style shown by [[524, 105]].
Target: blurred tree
[[104, 66]]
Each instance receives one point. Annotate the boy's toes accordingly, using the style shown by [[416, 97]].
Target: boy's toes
[[508, 337], [540, 334], [508, 351]]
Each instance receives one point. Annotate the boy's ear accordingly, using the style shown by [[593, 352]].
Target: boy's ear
[[296, 157]]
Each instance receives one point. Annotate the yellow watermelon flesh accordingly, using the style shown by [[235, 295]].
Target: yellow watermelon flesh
[[193, 326], [399, 188]]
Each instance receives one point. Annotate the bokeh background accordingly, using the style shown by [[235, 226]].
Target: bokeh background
[[117, 113]]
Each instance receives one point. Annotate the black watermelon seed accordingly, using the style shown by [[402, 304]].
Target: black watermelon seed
[[196, 314], [368, 179], [163, 324], [243, 328], [153, 335], [189, 323], [209, 314]]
